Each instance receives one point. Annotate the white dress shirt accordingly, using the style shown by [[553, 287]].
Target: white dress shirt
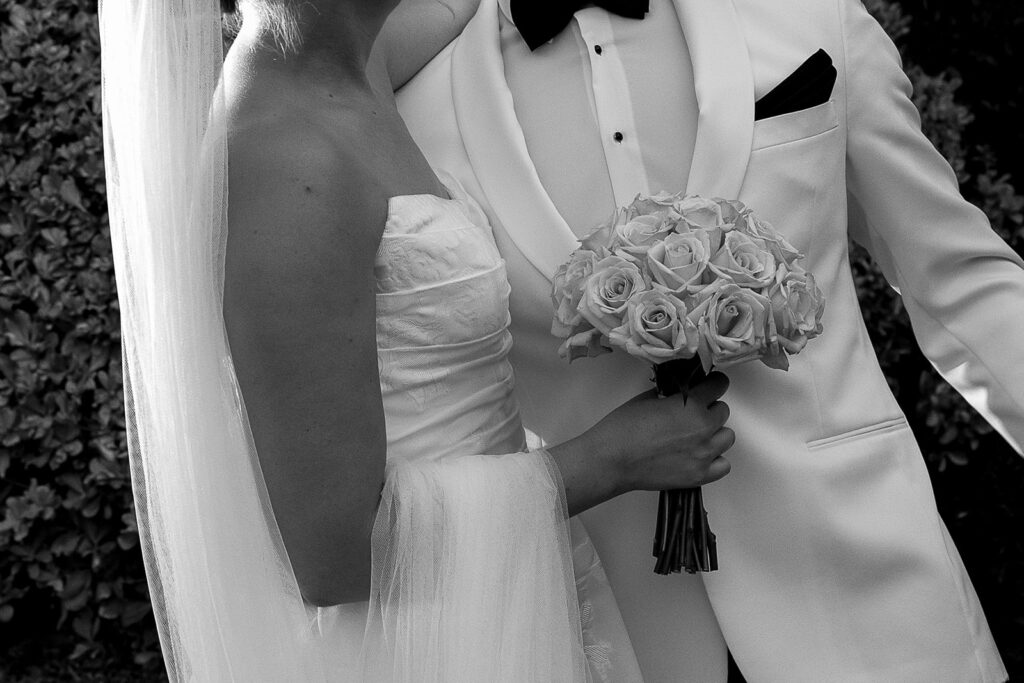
[[578, 97], [575, 98]]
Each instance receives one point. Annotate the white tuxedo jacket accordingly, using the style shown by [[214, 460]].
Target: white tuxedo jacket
[[835, 565]]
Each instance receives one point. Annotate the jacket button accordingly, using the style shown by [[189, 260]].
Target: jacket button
[[617, 137]]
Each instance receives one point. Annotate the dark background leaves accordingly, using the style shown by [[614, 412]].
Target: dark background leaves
[[73, 598]]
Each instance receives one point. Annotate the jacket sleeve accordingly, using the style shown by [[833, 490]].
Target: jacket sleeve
[[962, 285]]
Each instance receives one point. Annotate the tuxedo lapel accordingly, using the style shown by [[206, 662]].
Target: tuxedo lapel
[[501, 161], [724, 83], [497, 148]]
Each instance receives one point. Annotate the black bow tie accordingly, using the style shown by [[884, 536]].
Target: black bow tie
[[538, 22]]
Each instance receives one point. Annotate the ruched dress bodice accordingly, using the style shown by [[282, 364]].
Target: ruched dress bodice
[[442, 331]]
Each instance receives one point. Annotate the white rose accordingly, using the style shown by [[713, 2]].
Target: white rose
[[772, 239], [680, 261], [656, 327], [797, 307], [743, 261], [612, 283], [636, 236], [735, 325], [567, 290], [645, 204]]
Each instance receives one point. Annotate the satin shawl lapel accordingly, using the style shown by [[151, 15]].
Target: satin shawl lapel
[[724, 83], [497, 150]]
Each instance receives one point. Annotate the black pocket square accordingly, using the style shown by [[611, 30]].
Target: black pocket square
[[810, 85]]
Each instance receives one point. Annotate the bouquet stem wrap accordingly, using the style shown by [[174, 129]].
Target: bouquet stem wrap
[[682, 537]]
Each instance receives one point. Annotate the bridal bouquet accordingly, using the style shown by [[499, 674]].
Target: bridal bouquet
[[688, 284]]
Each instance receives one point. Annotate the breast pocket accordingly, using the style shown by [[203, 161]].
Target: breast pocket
[[795, 126]]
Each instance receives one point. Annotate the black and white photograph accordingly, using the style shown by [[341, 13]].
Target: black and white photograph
[[508, 341]]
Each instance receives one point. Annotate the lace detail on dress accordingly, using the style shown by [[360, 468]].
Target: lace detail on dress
[[439, 277], [598, 652], [606, 644]]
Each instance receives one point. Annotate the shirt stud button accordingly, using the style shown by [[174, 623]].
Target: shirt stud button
[[617, 137], [597, 49]]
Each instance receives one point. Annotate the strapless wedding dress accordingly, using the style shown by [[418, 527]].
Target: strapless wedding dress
[[478, 575], [442, 332]]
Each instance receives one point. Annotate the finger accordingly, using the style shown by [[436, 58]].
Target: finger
[[722, 440], [718, 468], [710, 389], [719, 411]]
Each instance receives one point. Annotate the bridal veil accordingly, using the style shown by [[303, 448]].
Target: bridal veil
[[472, 574]]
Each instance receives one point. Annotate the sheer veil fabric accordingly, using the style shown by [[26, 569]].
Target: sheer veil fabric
[[473, 578], [225, 597]]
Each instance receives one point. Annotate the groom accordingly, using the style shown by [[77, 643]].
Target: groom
[[835, 565]]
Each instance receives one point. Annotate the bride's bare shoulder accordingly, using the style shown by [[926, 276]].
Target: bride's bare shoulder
[[290, 166]]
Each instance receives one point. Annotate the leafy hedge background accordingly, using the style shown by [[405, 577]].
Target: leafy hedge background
[[73, 598]]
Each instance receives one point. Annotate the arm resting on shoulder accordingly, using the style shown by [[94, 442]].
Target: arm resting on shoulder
[[419, 29], [962, 285]]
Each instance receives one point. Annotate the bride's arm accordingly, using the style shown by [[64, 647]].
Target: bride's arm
[[417, 30], [299, 306]]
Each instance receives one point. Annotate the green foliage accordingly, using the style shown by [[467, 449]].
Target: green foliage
[[982, 39], [70, 563], [70, 560]]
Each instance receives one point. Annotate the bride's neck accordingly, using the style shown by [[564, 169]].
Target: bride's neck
[[329, 40]]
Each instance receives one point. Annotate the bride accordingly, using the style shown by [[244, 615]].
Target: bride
[[370, 512]]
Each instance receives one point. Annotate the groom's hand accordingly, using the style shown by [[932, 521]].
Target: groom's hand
[[650, 443]]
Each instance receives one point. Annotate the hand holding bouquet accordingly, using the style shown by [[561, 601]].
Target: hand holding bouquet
[[688, 284]]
